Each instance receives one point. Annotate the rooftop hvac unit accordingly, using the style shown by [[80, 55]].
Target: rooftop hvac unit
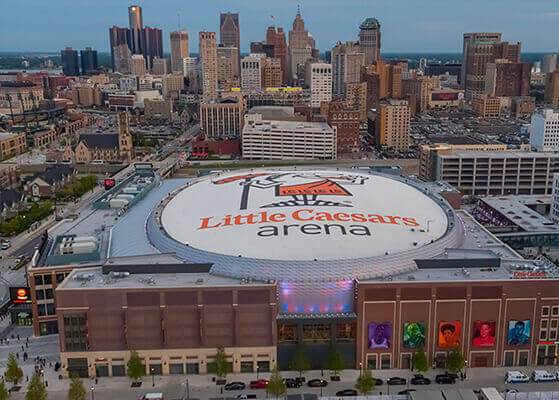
[[84, 276], [120, 274]]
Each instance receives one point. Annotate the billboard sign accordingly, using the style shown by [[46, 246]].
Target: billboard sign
[[20, 295]]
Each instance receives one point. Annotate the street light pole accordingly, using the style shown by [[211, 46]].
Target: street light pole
[[92, 389], [257, 371], [152, 377]]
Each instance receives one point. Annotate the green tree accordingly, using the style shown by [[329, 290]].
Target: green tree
[[4, 394], [365, 383], [135, 368], [419, 361], [76, 390], [221, 365], [455, 360], [36, 389], [13, 372], [276, 386], [335, 362], [300, 361]]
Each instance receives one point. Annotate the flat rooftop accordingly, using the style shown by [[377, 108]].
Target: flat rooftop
[[454, 139], [499, 154], [276, 125]]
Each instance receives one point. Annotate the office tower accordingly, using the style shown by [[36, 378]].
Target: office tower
[[507, 79], [229, 32], [251, 72], [301, 47], [121, 58], [262, 48], [137, 65], [383, 82], [70, 65], [228, 75], [549, 63], [208, 54], [347, 60], [544, 130], [222, 119], [179, 49], [117, 37], [356, 96], [478, 50], [369, 40], [551, 95], [391, 126], [420, 88], [153, 44], [173, 84], [272, 76], [277, 39], [136, 25], [485, 106], [191, 71], [319, 79], [162, 66], [345, 118], [88, 60]]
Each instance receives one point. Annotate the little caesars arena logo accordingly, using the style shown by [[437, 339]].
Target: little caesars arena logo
[[310, 201]]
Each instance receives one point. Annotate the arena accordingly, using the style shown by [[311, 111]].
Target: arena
[[263, 261]]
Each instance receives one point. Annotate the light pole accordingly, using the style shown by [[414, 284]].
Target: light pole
[[42, 372], [92, 389], [257, 371], [152, 377], [360, 369]]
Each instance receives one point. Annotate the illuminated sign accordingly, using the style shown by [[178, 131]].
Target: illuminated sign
[[20, 295], [109, 184], [529, 275], [444, 96]]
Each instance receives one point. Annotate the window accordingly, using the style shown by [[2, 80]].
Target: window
[[38, 280], [40, 294], [372, 362], [555, 311], [74, 332], [50, 309], [316, 333], [60, 277], [544, 323], [47, 279], [287, 333], [545, 311], [385, 361], [49, 294], [345, 332]]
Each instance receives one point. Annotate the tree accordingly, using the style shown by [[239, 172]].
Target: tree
[[4, 394], [135, 368], [13, 372], [300, 361], [76, 390], [365, 383], [221, 366], [419, 361], [276, 386], [335, 362], [455, 360], [36, 389]]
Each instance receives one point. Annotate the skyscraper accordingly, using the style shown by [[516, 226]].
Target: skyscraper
[[117, 37], [301, 46], [549, 63], [319, 79], [121, 58], [277, 39], [179, 49], [208, 54], [369, 40], [229, 32], [347, 60], [152, 38], [136, 24], [88, 60], [228, 74], [251, 72], [70, 65]]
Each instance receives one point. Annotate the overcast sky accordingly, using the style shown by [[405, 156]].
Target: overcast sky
[[407, 25]]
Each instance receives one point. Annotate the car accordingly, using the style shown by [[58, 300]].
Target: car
[[407, 391], [516, 377], [543, 376], [152, 396], [234, 386], [292, 383], [445, 379], [259, 384], [420, 380], [378, 382], [395, 380], [317, 383], [346, 392]]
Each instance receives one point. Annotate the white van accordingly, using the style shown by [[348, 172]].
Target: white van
[[516, 377], [543, 376]]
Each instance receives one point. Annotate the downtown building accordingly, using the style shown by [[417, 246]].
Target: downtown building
[[369, 40], [179, 49], [208, 55], [347, 60]]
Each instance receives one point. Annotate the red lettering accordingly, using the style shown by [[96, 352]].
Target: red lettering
[[297, 217], [227, 220], [264, 217], [376, 219], [358, 218], [278, 217], [206, 225], [323, 216], [408, 221], [393, 220], [342, 217]]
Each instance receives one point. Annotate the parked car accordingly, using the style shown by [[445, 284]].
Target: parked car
[[234, 386], [346, 392], [292, 383], [378, 382], [543, 376], [152, 396], [259, 384], [420, 380], [515, 377], [6, 245], [317, 383], [407, 391], [445, 379], [395, 380]]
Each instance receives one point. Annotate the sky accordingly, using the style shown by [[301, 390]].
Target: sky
[[406, 25]]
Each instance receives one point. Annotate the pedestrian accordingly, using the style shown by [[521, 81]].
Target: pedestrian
[[18, 338], [22, 348], [27, 345], [17, 356]]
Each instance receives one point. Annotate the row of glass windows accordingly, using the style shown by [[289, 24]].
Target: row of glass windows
[[317, 333]]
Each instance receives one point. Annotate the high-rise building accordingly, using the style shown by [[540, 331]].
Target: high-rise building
[[136, 25], [390, 125], [551, 95], [356, 96], [277, 39], [172, 85], [88, 60], [319, 79], [251, 72], [162, 66], [345, 117], [262, 48], [478, 50], [301, 47], [420, 87], [70, 65], [229, 31], [228, 75], [347, 60], [369, 40], [179, 49], [544, 130], [121, 58], [222, 119], [549, 63], [271, 72], [138, 65], [485, 106], [507, 79], [118, 36], [383, 82], [153, 44], [191, 71], [208, 55]]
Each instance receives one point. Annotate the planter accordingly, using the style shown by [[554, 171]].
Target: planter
[[335, 378], [220, 381]]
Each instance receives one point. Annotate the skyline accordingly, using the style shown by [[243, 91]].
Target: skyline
[[436, 29]]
